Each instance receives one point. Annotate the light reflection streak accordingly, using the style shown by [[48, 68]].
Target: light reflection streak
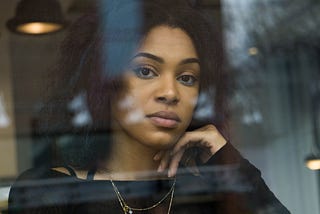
[[4, 118]]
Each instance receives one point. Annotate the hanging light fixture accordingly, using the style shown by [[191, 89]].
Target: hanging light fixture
[[313, 162], [37, 17]]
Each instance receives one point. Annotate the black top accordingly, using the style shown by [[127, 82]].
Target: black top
[[227, 183]]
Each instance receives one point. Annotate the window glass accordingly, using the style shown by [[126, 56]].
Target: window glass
[[159, 106]]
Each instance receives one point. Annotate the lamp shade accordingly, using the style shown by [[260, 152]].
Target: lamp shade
[[37, 17], [313, 162]]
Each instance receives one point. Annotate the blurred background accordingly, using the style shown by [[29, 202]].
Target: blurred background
[[273, 52]]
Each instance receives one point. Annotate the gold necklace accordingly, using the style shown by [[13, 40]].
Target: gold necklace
[[129, 210]]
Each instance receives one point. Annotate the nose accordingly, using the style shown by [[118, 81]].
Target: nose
[[167, 91]]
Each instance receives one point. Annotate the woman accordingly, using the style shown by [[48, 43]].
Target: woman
[[144, 79]]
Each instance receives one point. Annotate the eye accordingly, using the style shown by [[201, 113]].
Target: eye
[[145, 72], [187, 80]]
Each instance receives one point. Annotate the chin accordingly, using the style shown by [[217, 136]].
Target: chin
[[160, 140]]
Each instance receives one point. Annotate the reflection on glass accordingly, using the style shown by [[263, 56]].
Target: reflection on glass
[[4, 118], [38, 27]]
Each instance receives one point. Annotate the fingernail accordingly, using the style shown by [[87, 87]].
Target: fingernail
[[170, 173]]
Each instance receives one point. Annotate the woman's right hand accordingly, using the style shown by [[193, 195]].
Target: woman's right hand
[[200, 144]]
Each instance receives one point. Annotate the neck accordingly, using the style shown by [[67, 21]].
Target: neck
[[130, 159]]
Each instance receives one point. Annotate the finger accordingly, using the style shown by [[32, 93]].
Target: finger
[[159, 155], [194, 138], [164, 162], [188, 157], [207, 137], [189, 139], [193, 168], [205, 156], [174, 163], [189, 160]]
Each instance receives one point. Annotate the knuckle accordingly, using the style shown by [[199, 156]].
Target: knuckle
[[211, 126]]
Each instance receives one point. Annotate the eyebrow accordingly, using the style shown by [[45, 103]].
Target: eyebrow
[[161, 60], [189, 60]]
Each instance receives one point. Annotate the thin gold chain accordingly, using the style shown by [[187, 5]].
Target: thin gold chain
[[129, 210]]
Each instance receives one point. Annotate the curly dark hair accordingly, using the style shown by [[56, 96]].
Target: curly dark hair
[[100, 43]]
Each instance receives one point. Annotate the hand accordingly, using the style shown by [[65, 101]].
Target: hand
[[199, 144]]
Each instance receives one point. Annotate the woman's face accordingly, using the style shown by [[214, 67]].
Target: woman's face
[[161, 89]]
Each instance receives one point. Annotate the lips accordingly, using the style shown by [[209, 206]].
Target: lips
[[165, 119]]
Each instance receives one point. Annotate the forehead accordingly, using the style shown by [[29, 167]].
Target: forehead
[[164, 40]]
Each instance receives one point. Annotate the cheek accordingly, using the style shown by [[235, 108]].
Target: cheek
[[190, 100], [193, 101], [128, 110], [188, 108]]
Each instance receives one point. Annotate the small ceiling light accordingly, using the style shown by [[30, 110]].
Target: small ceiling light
[[253, 51], [36, 17], [313, 162]]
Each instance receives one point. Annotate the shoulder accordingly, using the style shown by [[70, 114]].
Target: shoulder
[[39, 173], [39, 180], [39, 187], [35, 179], [68, 170], [55, 172]]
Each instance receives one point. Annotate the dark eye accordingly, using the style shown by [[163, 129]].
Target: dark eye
[[187, 80], [145, 72]]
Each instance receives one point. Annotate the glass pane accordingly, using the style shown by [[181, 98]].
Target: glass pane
[[157, 106]]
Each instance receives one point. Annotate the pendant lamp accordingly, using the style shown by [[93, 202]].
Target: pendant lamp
[[313, 162], [37, 17]]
